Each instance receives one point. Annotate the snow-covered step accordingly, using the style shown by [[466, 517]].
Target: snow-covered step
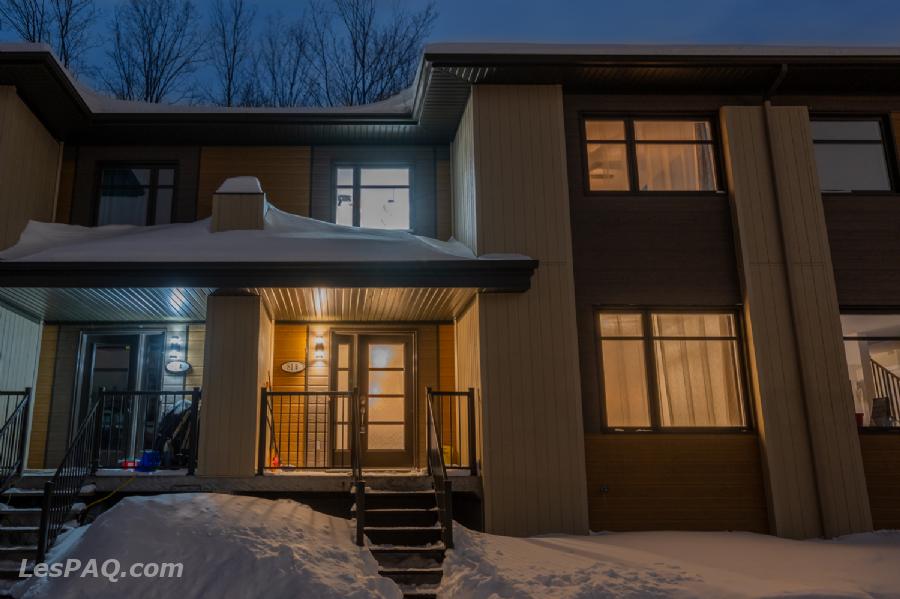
[[403, 535], [19, 535], [399, 500], [413, 576], [20, 516], [401, 517], [419, 592]]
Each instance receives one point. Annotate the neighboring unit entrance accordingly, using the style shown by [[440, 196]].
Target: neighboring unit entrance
[[380, 366]]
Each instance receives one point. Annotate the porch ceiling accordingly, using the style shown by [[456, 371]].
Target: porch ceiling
[[180, 304]]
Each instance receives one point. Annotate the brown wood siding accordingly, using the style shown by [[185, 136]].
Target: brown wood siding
[[532, 440], [467, 360], [59, 425], [43, 392], [283, 171], [29, 168], [659, 250], [66, 185], [675, 482], [87, 172], [290, 346], [423, 191], [196, 342], [881, 456]]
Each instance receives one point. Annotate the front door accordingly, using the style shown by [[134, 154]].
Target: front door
[[380, 366]]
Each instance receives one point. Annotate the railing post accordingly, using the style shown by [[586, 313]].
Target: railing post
[[473, 461], [44, 531], [447, 522], [97, 433], [360, 488], [429, 423], [23, 431], [195, 430], [261, 451]]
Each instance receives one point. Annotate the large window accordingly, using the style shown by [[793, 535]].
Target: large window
[[372, 197], [671, 369], [851, 155], [136, 195], [872, 344], [650, 155]]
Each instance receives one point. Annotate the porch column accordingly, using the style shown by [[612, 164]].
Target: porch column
[[511, 196], [237, 362], [804, 406]]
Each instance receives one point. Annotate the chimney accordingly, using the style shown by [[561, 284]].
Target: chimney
[[239, 203]]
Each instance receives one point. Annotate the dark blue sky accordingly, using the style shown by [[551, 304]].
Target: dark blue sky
[[852, 22]]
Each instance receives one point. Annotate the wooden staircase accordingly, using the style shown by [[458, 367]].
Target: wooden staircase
[[405, 537]]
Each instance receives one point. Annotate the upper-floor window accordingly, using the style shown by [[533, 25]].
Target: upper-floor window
[[136, 195], [650, 155], [376, 197], [872, 345], [671, 369], [851, 155]]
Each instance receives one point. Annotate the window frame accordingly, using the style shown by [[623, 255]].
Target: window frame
[[871, 311], [631, 152], [152, 187], [653, 396], [887, 144], [357, 166]]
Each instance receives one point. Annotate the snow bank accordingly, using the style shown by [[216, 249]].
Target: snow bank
[[231, 547], [671, 564], [285, 238]]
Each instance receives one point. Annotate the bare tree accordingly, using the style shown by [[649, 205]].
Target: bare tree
[[357, 59], [282, 72], [156, 46], [64, 24], [230, 52]]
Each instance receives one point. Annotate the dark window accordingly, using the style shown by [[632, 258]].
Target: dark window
[[136, 195], [872, 345], [671, 369], [650, 155], [374, 197], [851, 155]]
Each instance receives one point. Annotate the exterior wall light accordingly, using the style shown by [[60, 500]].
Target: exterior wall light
[[319, 347]]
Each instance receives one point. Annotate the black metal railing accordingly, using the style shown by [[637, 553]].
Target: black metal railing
[[454, 416], [13, 434], [148, 429], [359, 483], [61, 491], [886, 403], [443, 489], [306, 430]]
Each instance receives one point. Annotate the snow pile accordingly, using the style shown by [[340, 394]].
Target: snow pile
[[231, 547], [285, 238], [671, 564]]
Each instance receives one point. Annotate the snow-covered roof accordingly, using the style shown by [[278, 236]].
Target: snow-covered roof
[[285, 238]]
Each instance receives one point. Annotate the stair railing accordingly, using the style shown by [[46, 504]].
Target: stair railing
[[14, 436], [887, 386], [443, 488], [359, 484], [63, 489]]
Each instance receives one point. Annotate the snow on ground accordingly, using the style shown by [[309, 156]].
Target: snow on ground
[[671, 564], [231, 546]]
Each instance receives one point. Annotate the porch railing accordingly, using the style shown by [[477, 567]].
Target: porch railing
[[443, 488], [307, 430], [454, 416], [148, 429], [13, 434], [886, 405]]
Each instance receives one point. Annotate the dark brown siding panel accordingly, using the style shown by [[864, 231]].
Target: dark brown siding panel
[[641, 250], [675, 482], [89, 157], [63, 394], [420, 158], [881, 458]]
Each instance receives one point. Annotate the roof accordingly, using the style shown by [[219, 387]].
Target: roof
[[429, 111]]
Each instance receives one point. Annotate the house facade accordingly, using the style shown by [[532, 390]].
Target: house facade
[[673, 284]]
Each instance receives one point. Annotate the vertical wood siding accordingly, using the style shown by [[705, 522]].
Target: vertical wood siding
[[43, 392], [468, 365], [64, 371], [66, 185], [196, 344], [283, 172], [236, 363], [29, 168], [442, 199], [533, 437], [881, 456]]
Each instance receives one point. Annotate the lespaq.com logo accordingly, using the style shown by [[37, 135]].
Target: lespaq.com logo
[[110, 569]]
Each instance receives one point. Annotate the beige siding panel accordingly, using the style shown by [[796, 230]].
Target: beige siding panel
[[467, 360], [237, 361], [283, 172], [839, 467], [196, 343], [533, 438], [43, 391], [29, 168], [442, 199]]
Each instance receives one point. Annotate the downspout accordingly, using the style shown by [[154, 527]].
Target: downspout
[[776, 83]]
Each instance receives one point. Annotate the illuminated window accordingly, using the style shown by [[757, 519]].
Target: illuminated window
[[650, 155], [671, 370], [372, 197], [851, 155], [136, 195], [872, 345]]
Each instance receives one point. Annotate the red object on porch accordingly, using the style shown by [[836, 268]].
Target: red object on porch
[[275, 461]]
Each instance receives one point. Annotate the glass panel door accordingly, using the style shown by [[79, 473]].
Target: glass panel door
[[386, 392]]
